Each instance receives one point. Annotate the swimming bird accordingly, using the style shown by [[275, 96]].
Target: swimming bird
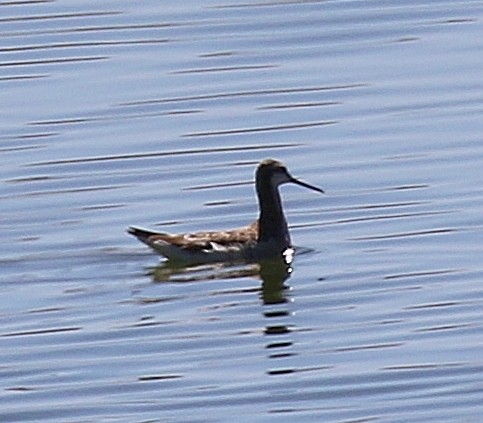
[[268, 237]]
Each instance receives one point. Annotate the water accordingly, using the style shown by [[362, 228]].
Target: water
[[156, 115]]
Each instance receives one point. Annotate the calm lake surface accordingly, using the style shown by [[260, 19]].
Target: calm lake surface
[[156, 114]]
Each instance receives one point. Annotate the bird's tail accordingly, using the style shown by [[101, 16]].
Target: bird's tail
[[139, 233]]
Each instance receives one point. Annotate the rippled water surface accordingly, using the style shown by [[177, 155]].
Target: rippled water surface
[[156, 114]]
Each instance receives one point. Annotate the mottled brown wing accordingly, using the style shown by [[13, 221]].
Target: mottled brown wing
[[204, 240]]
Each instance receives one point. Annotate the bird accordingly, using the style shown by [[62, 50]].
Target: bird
[[266, 238]]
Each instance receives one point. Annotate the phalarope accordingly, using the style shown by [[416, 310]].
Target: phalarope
[[267, 237]]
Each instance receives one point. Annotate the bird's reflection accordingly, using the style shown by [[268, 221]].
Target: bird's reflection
[[274, 296], [273, 292], [273, 274]]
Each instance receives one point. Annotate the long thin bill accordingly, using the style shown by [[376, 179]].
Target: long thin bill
[[303, 184]]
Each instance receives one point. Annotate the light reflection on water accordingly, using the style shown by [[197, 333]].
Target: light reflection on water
[[158, 116]]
